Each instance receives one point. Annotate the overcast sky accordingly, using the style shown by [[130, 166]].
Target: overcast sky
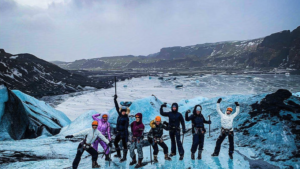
[[68, 30]]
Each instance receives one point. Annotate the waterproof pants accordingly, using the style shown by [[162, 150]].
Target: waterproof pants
[[162, 144], [220, 140], [139, 147], [124, 142], [102, 143], [80, 151], [176, 135], [198, 140]]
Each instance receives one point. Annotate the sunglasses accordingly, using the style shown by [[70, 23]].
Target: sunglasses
[[137, 117], [95, 126]]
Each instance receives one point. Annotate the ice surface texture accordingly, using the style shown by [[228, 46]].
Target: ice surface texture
[[26, 117]]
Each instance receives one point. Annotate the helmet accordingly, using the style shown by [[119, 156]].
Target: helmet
[[229, 109], [105, 116], [198, 108], [157, 118], [95, 123]]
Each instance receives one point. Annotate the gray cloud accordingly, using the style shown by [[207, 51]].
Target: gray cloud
[[76, 29]]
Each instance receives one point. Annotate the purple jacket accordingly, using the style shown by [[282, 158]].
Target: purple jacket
[[137, 128], [103, 126]]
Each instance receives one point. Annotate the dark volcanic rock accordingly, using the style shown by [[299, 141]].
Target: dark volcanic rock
[[37, 77]]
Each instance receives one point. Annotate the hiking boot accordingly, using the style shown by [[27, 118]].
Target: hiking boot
[[124, 155], [181, 157], [193, 156], [199, 154], [230, 156], [107, 157], [155, 159], [215, 155], [118, 155], [172, 154], [139, 163], [95, 164], [167, 157], [133, 160]]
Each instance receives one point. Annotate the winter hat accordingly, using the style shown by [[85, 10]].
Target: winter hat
[[157, 118], [95, 123], [123, 108], [229, 109]]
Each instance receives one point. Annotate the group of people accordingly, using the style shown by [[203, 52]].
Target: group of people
[[100, 134]]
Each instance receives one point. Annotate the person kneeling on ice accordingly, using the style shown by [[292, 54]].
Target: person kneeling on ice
[[137, 129], [122, 129], [198, 129], [155, 137], [227, 128], [90, 137], [104, 128], [175, 118]]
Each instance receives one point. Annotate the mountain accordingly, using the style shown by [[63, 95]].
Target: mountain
[[37, 77], [278, 50]]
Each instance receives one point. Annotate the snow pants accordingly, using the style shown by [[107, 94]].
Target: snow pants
[[198, 140], [162, 145], [80, 151], [118, 139], [221, 139], [139, 147], [102, 143], [176, 135]]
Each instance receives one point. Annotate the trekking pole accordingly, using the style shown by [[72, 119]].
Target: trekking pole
[[150, 154], [182, 137], [115, 85], [209, 125]]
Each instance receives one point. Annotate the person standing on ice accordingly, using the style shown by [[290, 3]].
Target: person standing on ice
[[175, 118], [227, 128], [198, 130], [104, 128], [155, 137], [137, 129], [86, 144], [122, 130]]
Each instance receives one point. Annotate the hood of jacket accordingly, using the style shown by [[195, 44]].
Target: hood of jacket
[[141, 117], [195, 110], [176, 105]]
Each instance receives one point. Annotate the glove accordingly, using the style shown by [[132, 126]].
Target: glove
[[183, 130], [164, 105], [237, 103], [110, 144], [115, 96], [165, 123], [219, 100], [69, 136], [209, 122], [188, 111]]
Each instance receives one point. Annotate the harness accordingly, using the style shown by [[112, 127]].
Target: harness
[[226, 131], [199, 130]]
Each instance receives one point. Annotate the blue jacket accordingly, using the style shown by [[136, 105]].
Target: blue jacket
[[197, 120], [175, 118]]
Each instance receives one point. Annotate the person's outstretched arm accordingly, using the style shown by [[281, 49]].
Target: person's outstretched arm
[[95, 117], [162, 111], [116, 104], [218, 107], [237, 110], [82, 133]]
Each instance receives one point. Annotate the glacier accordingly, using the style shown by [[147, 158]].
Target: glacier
[[261, 140]]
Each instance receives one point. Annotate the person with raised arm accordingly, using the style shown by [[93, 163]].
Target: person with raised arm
[[198, 130], [86, 145], [227, 128], [122, 130], [175, 119]]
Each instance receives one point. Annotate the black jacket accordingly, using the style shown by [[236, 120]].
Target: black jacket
[[157, 131], [197, 120], [122, 121], [175, 118]]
